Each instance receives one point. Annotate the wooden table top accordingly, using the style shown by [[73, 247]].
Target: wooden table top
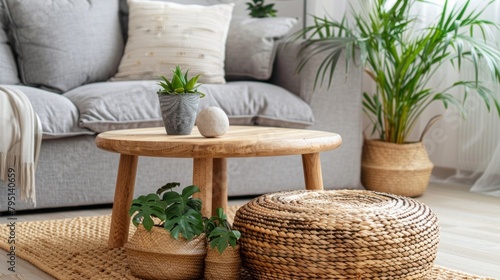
[[239, 141]]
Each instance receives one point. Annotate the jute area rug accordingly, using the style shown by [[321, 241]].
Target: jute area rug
[[77, 249]]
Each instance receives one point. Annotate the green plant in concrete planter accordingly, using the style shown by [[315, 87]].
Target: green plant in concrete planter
[[170, 238], [179, 101]]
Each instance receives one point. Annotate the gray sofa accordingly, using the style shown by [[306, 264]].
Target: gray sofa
[[72, 171]]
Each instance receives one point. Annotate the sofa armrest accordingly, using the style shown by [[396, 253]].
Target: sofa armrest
[[302, 84], [337, 108], [284, 70], [339, 101]]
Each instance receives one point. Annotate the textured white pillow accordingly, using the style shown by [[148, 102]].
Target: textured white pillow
[[162, 35]]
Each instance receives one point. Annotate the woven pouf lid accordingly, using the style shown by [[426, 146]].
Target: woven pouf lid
[[337, 234]]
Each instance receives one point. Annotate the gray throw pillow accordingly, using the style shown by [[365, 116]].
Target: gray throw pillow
[[8, 68], [251, 46], [63, 44]]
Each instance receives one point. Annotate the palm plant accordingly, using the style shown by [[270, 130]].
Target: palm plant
[[401, 58]]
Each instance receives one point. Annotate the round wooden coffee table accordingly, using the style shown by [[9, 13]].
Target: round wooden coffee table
[[209, 160]]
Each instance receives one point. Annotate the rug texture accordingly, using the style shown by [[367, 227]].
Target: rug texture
[[77, 249]]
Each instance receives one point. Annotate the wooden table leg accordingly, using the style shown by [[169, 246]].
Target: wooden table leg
[[202, 178], [219, 184], [124, 191], [312, 171]]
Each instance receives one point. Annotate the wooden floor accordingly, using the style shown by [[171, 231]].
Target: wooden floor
[[470, 231]]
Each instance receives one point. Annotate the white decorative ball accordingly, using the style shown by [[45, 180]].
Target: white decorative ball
[[212, 122]]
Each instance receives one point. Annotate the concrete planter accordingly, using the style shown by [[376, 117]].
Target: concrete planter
[[179, 112]]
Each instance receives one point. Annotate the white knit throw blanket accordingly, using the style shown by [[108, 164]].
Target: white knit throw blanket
[[20, 140]]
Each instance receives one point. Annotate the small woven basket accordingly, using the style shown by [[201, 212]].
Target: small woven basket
[[402, 169], [336, 234], [157, 255], [223, 267]]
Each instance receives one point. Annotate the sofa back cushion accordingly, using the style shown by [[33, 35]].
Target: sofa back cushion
[[8, 68], [63, 44]]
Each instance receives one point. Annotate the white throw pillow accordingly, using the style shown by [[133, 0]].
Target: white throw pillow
[[162, 35]]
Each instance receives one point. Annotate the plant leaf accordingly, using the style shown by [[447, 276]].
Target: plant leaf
[[221, 237], [189, 191], [167, 186], [146, 207], [189, 225], [177, 82]]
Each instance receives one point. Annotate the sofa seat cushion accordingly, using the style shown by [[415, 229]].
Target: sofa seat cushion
[[134, 104], [58, 115], [258, 103]]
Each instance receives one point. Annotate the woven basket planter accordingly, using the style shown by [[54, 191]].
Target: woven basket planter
[[402, 169], [157, 255], [336, 234], [223, 267]]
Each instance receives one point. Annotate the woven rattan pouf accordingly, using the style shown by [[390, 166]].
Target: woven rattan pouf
[[337, 234]]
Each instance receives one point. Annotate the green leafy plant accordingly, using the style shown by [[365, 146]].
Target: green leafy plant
[[219, 232], [145, 208], [401, 58], [179, 213], [180, 83], [258, 9]]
